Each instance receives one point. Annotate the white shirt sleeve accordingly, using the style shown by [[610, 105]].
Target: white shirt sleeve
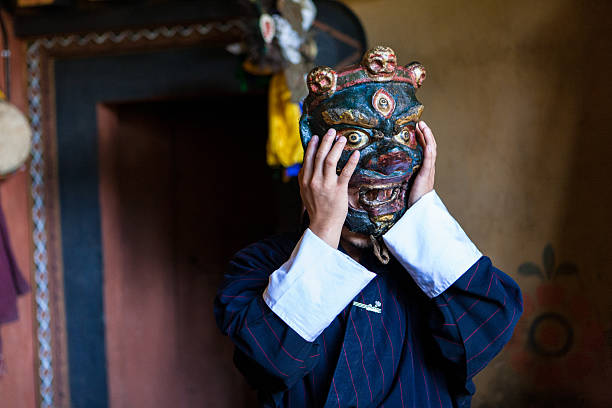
[[431, 245], [317, 282]]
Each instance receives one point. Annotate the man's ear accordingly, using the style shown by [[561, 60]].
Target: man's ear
[[305, 131]]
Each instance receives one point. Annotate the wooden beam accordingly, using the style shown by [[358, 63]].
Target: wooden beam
[[104, 17]]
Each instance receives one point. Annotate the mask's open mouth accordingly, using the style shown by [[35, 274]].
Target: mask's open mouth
[[377, 195], [374, 206]]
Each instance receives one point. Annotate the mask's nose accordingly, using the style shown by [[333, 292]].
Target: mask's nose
[[390, 162]]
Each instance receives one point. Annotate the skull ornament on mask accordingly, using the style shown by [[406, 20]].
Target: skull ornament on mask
[[374, 106]]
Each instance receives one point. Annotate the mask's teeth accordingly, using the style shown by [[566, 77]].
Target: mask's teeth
[[377, 196]]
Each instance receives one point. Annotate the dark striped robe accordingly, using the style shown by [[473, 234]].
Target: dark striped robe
[[418, 352]]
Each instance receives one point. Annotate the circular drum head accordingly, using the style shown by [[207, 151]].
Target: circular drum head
[[15, 139]]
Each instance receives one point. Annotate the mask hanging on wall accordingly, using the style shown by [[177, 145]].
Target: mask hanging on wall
[[374, 106]]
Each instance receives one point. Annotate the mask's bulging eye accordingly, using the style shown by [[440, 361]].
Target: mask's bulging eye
[[406, 136], [383, 103], [355, 138]]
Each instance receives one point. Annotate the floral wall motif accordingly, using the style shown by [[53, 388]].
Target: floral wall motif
[[559, 347]]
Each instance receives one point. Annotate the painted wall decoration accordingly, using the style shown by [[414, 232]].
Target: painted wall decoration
[[559, 347]]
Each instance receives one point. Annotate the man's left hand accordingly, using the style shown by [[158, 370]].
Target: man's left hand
[[424, 181]]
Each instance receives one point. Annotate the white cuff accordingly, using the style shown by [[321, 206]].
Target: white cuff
[[431, 245], [317, 282]]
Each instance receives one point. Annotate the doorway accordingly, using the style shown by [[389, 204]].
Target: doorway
[[183, 186]]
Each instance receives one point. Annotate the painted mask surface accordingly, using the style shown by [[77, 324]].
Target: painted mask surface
[[374, 106]]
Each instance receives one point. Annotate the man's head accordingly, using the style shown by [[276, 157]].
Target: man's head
[[374, 106]]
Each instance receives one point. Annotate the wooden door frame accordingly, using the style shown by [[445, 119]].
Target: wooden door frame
[[50, 322]]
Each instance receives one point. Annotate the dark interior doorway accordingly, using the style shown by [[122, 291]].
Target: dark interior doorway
[[183, 185]]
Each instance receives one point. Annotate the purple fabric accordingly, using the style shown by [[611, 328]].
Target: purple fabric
[[12, 283]]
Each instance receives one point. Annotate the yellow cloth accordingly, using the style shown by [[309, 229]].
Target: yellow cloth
[[2, 97], [284, 145]]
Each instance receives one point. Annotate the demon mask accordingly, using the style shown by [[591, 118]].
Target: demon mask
[[374, 106]]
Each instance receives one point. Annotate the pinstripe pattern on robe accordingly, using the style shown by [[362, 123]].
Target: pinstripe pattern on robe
[[418, 352]]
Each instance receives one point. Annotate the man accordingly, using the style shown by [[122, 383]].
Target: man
[[330, 318]]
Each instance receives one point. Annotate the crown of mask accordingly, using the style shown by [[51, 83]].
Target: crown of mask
[[379, 64]]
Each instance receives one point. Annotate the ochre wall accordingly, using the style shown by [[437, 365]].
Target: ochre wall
[[517, 94]]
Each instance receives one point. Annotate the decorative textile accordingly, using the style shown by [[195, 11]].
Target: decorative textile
[[12, 283], [417, 352], [284, 145], [282, 40]]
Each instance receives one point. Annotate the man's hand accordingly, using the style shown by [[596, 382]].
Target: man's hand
[[325, 193], [424, 181]]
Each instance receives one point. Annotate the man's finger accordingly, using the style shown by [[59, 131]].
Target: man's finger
[[429, 155], [349, 168], [421, 138], [428, 163], [427, 134], [311, 149], [331, 161], [326, 144]]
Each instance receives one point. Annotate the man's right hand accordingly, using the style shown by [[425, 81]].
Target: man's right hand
[[324, 192]]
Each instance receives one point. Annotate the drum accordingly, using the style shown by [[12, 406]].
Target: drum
[[15, 139]]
